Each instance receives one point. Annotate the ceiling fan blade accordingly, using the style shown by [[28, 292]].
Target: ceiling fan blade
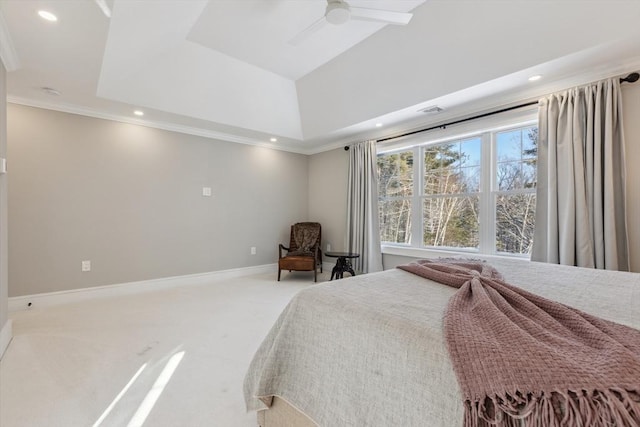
[[304, 34], [386, 16]]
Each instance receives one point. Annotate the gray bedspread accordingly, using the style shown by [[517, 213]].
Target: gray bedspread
[[369, 350]]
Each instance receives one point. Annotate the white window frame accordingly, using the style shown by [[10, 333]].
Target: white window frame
[[486, 128]]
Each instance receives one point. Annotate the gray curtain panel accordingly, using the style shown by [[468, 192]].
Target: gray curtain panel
[[363, 228], [580, 208]]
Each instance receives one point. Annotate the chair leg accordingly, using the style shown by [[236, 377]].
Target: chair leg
[[279, 274], [315, 274]]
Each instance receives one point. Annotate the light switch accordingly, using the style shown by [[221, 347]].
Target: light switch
[[206, 191]]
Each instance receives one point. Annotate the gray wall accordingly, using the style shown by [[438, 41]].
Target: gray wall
[[3, 203], [328, 197], [331, 169], [129, 198]]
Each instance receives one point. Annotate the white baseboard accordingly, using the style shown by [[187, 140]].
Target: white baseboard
[[49, 299], [6, 333]]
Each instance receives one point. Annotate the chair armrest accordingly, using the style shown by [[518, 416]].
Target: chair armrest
[[280, 248]]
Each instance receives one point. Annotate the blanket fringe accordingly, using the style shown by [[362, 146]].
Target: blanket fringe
[[617, 407]]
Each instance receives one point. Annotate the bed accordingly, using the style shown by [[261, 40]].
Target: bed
[[369, 350]]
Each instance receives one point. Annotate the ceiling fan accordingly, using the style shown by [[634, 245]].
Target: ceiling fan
[[339, 12]]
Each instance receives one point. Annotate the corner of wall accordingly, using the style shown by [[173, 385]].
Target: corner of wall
[[6, 333], [5, 323]]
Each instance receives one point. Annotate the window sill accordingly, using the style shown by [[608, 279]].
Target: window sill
[[408, 251]]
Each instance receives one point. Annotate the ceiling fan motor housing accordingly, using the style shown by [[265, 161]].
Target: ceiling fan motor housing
[[337, 12]]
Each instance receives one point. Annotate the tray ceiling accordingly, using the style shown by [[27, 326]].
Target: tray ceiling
[[225, 69]]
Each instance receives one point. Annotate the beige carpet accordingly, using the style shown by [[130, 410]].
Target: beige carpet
[[186, 349]]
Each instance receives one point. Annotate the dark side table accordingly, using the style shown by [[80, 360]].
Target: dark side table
[[342, 263]]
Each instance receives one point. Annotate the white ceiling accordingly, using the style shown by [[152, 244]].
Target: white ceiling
[[225, 69], [258, 32]]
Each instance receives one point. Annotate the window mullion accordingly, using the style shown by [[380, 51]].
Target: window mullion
[[416, 202], [487, 214]]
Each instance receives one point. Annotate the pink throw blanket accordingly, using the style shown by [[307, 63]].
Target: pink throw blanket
[[523, 360]]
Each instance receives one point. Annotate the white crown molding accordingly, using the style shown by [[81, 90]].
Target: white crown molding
[[6, 333], [50, 299], [330, 146], [7, 51], [486, 104], [189, 130]]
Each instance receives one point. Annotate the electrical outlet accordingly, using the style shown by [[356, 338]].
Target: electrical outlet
[[253, 250], [86, 266], [206, 191], [328, 247]]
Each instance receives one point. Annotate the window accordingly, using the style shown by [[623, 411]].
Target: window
[[472, 193], [515, 197], [451, 199], [395, 189]]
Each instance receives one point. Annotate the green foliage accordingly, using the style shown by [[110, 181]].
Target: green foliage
[[450, 199], [395, 181], [532, 134], [395, 174]]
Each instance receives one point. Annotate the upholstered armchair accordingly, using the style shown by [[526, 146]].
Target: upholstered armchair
[[304, 252]]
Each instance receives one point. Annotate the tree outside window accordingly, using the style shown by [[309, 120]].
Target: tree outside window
[[451, 186], [451, 192], [515, 184], [395, 189]]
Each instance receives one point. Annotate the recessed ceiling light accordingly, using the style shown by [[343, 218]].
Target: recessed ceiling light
[[274, 140], [138, 113], [378, 125], [47, 15], [534, 78]]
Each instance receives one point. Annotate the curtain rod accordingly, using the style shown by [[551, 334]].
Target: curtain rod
[[455, 122], [631, 78]]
